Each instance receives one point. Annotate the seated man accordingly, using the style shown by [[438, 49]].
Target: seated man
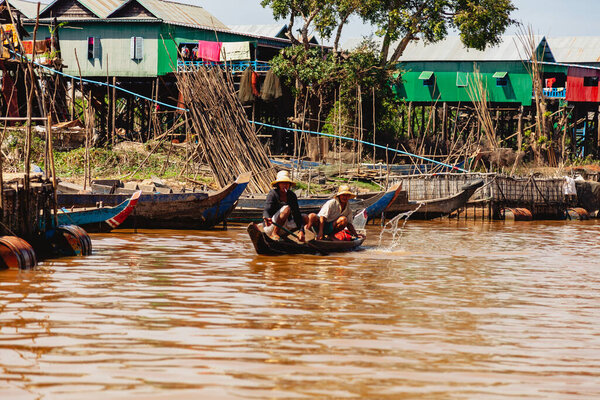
[[335, 215], [282, 204]]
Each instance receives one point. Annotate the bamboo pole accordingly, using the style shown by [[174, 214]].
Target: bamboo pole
[[53, 169], [225, 137], [374, 126], [114, 111], [86, 120]]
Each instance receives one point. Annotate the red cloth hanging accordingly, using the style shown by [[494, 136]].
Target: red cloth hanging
[[550, 82], [209, 51], [9, 91], [255, 91]]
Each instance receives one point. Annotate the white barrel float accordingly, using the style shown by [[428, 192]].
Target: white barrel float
[[577, 213], [517, 214], [16, 253], [71, 240]]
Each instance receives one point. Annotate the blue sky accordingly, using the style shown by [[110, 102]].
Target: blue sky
[[548, 17]]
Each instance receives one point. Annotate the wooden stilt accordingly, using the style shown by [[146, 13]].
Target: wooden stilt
[[422, 125], [445, 123], [114, 110], [410, 119], [72, 99]]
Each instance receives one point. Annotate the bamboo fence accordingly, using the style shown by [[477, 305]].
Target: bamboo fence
[[226, 140]]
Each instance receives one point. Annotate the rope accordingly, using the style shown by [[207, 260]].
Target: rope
[[452, 167]]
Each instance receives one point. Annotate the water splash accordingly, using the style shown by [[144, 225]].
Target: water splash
[[393, 227]]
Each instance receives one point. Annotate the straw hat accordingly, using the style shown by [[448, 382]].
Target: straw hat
[[283, 176], [344, 189]]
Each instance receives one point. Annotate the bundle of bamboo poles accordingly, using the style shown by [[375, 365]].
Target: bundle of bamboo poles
[[226, 140]]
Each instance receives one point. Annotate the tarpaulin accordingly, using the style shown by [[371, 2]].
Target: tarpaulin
[[10, 31], [41, 46]]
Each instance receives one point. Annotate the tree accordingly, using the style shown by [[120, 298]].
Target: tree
[[327, 16], [307, 10], [479, 22]]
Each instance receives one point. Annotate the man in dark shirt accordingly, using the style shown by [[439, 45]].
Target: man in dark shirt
[[282, 204]]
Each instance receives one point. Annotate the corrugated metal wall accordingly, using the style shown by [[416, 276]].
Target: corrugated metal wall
[[115, 43], [449, 75]]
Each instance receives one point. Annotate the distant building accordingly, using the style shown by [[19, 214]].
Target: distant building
[[443, 71]]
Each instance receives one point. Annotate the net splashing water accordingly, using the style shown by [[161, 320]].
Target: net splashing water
[[393, 227]]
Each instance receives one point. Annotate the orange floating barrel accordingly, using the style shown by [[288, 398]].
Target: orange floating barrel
[[577, 213], [517, 214], [71, 240], [16, 253]]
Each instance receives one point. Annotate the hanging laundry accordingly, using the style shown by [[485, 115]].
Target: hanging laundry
[[9, 91], [235, 51], [255, 91], [209, 51], [185, 53]]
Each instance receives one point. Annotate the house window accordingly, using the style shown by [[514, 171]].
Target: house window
[[93, 47], [427, 77], [590, 81], [137, 48], [501, 78], [462, 79]]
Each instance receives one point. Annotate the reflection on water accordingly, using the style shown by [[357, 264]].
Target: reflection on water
[[454, 311]]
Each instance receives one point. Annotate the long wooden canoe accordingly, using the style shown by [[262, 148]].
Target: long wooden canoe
[[170, 211], [429, 209], [102, 219], [264, 245]]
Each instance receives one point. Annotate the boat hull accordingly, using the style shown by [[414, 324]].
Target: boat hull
[[102, 219], [250, 209], [264, 245], [173, 210], [430, 209]]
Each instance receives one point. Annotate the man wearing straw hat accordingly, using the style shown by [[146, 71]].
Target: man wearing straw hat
[[282, 204], [336, 215]]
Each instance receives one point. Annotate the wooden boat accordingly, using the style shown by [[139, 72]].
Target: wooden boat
[[102, 219], [264, 245], [429, 209], [170, 210], [250, 209]]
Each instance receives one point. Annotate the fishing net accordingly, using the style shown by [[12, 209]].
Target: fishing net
[[360, 221], [271, 89], [245, 93]]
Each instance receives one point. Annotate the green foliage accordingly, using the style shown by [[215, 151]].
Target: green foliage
[[479, 22], [110, 163], [310, 72]]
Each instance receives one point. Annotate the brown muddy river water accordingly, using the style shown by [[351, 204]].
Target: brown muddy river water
[[455, 311]]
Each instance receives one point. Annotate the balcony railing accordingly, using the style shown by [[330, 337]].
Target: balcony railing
[[555, 93], [236, 67]]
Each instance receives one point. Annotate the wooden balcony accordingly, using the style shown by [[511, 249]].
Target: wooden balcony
[[236, 67]]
